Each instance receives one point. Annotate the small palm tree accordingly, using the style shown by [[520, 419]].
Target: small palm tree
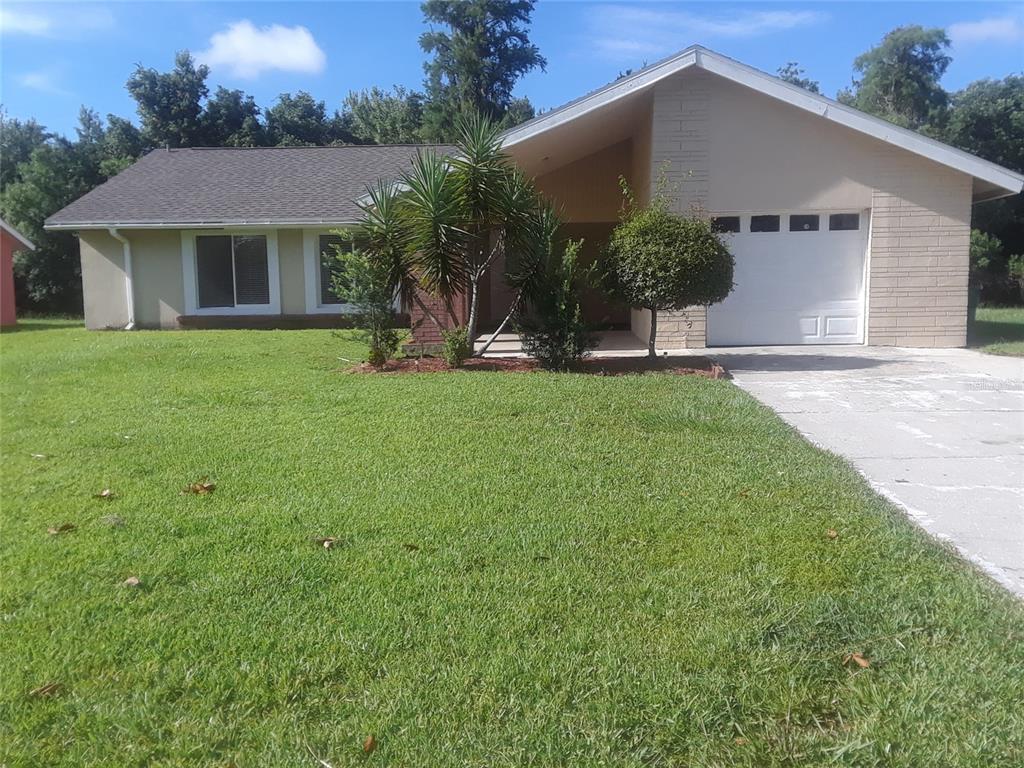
[[450, 220]]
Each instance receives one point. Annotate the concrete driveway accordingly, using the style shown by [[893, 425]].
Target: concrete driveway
[[938, 432]]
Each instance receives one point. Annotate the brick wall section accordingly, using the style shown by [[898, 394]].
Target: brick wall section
[[680, 153], [919, 255], [425, 332]]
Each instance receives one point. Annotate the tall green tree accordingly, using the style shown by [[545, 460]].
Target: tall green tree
[[123, 145], [384, 117], [18, 139], [302, 120], [899, 78], [479, 50], [170, 104], [987, 119], [232, 119], [794, 73]]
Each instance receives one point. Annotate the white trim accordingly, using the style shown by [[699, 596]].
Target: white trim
[[191, 279], [311, 275], [17, 235], [701, 58]]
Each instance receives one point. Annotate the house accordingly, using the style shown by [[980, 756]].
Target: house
[[845, 228], [11, 240]]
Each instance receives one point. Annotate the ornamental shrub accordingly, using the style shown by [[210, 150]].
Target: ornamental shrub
[[456, 348], [551, 327], [659, 260]]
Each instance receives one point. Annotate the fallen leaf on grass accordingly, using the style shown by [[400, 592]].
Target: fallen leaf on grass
[[858, 659], [200, 487], [832, 533], [56, 530], [411, 547], [744, 493], [325, 541], [370, 744], [739, 741], [48, 689], [106, 494], [132, 581]]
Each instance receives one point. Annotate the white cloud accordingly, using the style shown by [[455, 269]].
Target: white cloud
[[621, 32], [1004, 29], [44, 81], [247, 51], [23, 22], [63, 24]]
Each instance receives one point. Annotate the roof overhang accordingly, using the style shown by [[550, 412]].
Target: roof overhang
[[996, 180], [241, 224], [17, 235]]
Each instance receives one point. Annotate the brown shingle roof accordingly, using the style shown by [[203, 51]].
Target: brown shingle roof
[[275, 185]]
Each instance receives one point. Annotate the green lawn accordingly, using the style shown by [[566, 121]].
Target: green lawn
[[999, 331], [530, 569]]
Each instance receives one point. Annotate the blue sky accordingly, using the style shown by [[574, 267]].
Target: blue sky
[[55, 57]]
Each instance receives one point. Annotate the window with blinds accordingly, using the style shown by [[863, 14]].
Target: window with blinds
[[232, 270], [328, 266]]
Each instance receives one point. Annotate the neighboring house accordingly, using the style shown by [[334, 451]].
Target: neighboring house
[[11, 240], [845, 228]]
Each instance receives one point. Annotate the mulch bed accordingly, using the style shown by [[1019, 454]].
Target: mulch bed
[[598, 366]]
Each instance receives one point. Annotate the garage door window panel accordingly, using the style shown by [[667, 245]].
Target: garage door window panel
[[803, 223], [764, 223], [843, 222]]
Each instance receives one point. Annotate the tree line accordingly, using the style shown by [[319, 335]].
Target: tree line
[[476, 53]]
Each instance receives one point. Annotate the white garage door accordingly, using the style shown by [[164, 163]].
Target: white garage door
[[799, 279]]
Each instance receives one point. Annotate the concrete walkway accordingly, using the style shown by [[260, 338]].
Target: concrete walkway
[[938, 432]]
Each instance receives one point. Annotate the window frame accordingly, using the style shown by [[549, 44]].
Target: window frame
[[190, 273], [311, 274]]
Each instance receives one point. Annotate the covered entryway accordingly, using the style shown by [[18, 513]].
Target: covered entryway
[[799, 279]]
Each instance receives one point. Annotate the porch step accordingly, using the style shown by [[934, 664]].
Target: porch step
[[505, 345]]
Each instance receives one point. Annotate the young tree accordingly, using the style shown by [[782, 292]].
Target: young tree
[[479, 52], [384, 117], [794, 73], [899, 78], [362, 278], [170, 104], [660, 261]]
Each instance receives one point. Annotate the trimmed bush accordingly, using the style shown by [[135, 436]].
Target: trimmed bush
[[456, 348], [659, 260]]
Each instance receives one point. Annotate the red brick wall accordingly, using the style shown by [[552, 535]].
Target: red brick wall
[[424, 330]]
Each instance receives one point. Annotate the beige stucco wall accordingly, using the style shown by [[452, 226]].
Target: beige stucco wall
[[587, 191], [727, 148], [159, 290], [293, 280], [104, 297], [158, 278]]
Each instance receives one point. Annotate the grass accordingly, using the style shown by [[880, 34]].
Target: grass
[[999, 331], [530, 569]]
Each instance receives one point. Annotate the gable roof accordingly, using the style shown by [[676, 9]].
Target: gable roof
[[1003, 180], [17, 235], [215, 187]]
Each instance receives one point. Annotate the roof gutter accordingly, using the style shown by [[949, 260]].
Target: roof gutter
[[129, 287]]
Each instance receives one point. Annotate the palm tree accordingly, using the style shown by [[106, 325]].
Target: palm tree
[[451, 218]]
